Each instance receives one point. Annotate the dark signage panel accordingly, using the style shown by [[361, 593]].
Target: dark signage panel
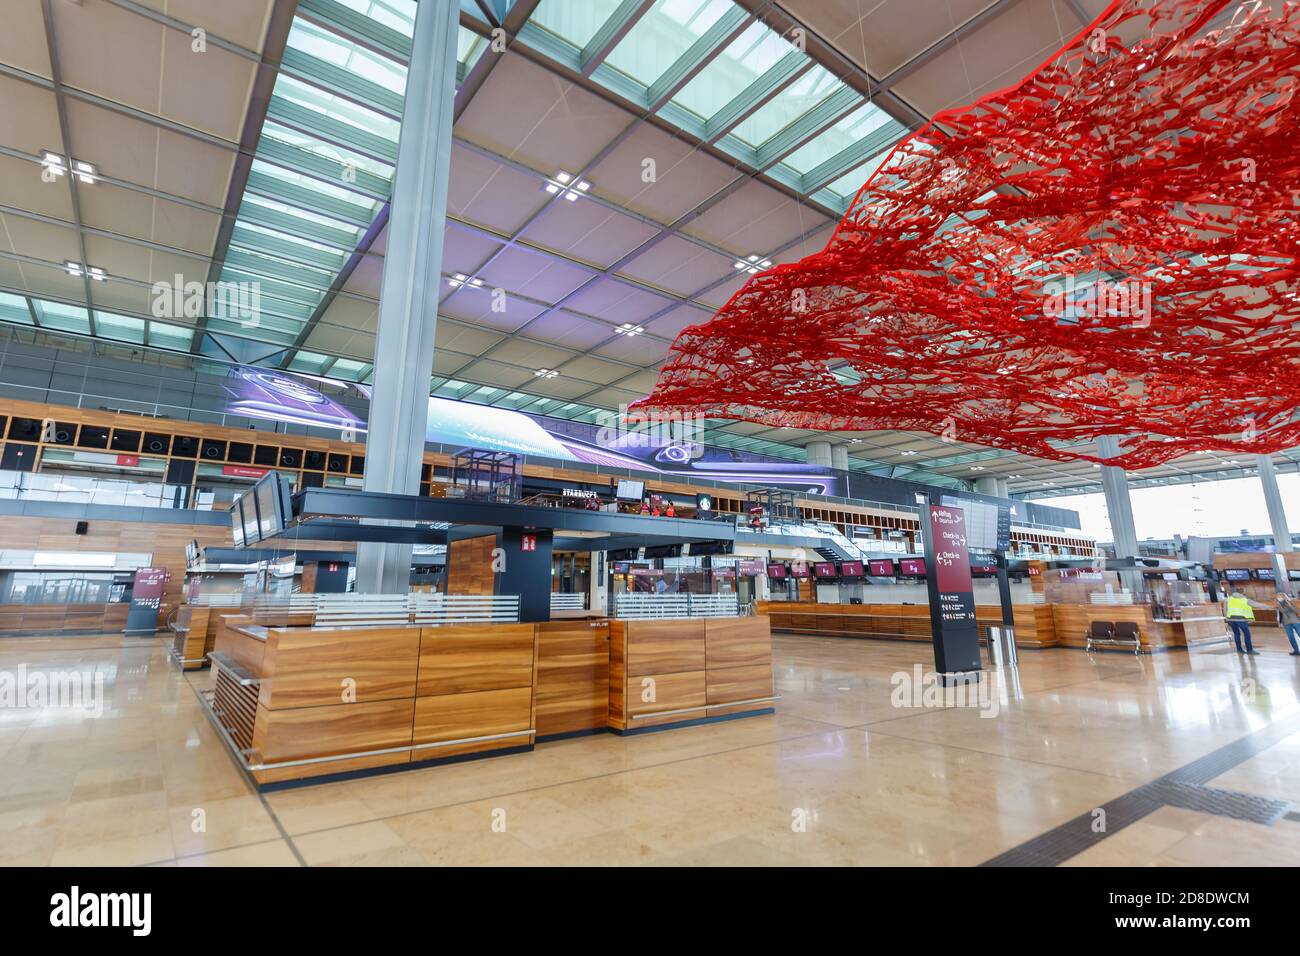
[[824, 569], [882, 569], [951, 591], [776, 571], [851, 569]]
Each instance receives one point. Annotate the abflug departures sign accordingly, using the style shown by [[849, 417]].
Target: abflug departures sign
[[952, 595]]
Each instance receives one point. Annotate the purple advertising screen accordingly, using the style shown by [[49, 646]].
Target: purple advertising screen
[[951, 555], [776, 571], [824, 569], [851, 569], [798, 570], [912, 566], [883, 569], [648, 447]]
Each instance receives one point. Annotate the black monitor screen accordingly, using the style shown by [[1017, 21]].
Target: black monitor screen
[[824, 569], [1264, 574], [1237, 574], [267, 492]]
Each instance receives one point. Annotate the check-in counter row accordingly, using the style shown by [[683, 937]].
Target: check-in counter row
[[308, 702]]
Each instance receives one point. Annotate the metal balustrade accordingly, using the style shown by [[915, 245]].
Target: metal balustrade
[[342, 609]]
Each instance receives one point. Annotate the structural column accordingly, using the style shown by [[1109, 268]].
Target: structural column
[[1119, 509], [819, 453], [408, 299], [1273, 501], [840, 457], [987, 485]]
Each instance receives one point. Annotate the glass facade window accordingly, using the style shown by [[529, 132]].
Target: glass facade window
[[662, 35]]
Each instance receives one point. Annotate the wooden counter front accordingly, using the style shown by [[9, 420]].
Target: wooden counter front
[[55, 619], [328, 692], [1034, 623], [672, 671], [572, 676]]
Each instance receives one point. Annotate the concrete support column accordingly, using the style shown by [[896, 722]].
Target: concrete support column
[[1004, 488], [840, 457], [819, 453], [987, 486], [408, 298], [598, 588], [1273, 501], [1119, 509]]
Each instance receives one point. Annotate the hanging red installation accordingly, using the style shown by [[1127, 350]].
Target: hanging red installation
[[1109, 247]]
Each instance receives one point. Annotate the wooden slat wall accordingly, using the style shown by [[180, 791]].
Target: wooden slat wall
[[469, 566], [907, 622]]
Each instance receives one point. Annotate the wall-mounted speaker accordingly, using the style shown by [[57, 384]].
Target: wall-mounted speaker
[[25, 429], [63, 433], [156, 443], [83, 527], [338, 463], [213, 450], [315, 460], [185, 446], [290, 458]]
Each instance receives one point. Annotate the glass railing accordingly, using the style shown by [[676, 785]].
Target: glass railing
[[87, 490]]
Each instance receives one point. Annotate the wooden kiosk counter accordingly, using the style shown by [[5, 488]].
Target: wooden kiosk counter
[[298, 703]]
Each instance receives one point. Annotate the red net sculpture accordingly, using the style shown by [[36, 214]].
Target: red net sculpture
[[1107, 248]]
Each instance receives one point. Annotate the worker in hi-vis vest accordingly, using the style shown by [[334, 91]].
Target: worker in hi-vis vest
[[1240, 611]]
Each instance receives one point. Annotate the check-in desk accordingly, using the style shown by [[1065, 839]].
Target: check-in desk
[[301, 703], [688, 670]]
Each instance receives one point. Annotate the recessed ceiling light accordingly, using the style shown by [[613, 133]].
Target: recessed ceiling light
[[545, 373], [85, 171], [976, 467], [460, 277], [562, 181], [76, 269], [752, 264], [907, 453], [628, 329]]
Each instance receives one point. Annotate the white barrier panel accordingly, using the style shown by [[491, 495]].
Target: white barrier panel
[[464, 608], [635, 605], [342, 609], [233, 599], [568, 602]]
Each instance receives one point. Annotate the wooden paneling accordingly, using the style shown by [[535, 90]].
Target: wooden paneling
[[455, 716], [736, 641], [242, 641], [572, 676], [665, 647], [907, 622], [666, 692], [334, 729], [457, 658], [469, 566], [727, 684], [309, 667], [617, 674]]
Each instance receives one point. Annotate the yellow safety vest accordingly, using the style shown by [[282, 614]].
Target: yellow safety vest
[[1239, 607]]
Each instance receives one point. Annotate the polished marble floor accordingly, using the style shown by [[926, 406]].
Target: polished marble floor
[[843, 773]]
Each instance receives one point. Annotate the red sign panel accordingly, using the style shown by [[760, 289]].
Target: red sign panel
[[128, 461], [528, 542], [881, 569], [951, 558], [243, 471], [914, 566]]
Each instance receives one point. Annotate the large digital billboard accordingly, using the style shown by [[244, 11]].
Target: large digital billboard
[[279, 397]]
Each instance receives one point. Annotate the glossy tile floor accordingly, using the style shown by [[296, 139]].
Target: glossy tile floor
[[840, 775]]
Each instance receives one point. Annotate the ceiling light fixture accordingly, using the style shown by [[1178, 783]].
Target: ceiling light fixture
[[561, 184], [545, 373], [752, 264], [628, 329], [54, 162], [76, 269]]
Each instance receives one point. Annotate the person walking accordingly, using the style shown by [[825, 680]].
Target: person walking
[[1239, 611], [1288, 618]]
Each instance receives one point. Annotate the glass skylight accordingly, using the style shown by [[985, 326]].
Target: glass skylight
[[662, 35], [575, 21]]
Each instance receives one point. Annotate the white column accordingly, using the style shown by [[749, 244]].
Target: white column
[[1273, 501], [1119, 509], [840, 457], [987, 485], [819, 453], [408, 299]]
